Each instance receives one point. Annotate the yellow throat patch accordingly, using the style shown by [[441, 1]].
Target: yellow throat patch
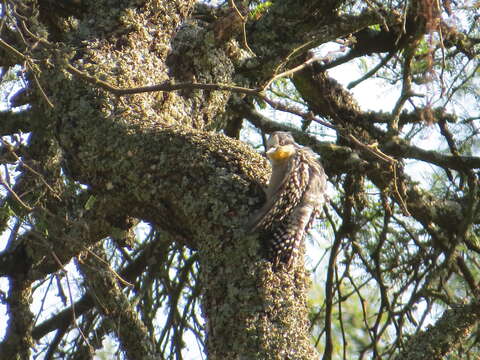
[[281, 152]]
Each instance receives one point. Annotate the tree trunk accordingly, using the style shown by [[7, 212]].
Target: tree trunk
[[151, 156]]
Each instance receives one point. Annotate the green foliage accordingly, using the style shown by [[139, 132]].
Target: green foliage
[[259, 8]]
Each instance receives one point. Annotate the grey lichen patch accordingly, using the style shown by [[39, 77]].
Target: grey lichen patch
[[251, 301], [448, 333], [253, 311], [206, 191], [135, 56], [127, 46], [285, 314], [196, 57]]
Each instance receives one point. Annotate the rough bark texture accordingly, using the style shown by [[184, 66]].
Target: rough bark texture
[[149, 156], [438, 341]]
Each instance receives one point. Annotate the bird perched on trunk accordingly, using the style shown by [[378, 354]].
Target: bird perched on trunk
[[294, 197]]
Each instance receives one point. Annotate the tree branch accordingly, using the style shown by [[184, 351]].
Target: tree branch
[[14, 122], [18, 338], [113, 304], [448, 333]]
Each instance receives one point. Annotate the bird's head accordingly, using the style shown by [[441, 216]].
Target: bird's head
[[280, 146]]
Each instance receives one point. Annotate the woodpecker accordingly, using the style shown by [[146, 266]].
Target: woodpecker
[[294, 197]]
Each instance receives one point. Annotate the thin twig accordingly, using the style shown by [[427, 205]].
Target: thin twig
[[10, 149], [12, 50], [30, 65], [42, 303], [295, 111], [165, 86], [57, 260], [290, 71], [340, 315], [406, 90], [244, 22], [14, 194], [372, 72], [3, 15], [123, 281]]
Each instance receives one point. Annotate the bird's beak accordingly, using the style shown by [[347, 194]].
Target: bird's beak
[[280, 152]]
